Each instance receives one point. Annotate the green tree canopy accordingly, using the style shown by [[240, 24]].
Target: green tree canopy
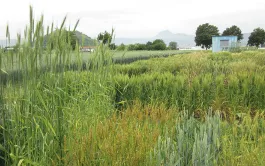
[[173, 45], [149, 45], [139, 46], [121, 47], [204, 35], [257, 37], [233, 31], [131, 47], [159, 44], [105, 37], [73, 38], [112, 46]]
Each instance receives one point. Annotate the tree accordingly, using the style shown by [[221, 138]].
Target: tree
[[139, 46], [204, 35], [159, 44], [112, 46], [73, 39], [173, 45], [85, 40], [257, 37], [105, 38], [233, 31], [149, 45], [131, 47], [122, 47], [68, 36]]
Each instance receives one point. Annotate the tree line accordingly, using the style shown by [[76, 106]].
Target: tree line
[[203, 38], [205, 32], [158, 44]]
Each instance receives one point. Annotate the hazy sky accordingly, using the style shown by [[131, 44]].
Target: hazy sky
[[135, 18]]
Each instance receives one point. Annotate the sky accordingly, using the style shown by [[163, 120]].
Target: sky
[[135, 18]]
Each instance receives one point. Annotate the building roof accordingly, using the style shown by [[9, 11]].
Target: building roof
[[223, 36]]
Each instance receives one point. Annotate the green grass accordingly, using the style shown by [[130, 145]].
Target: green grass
[[11, 59], [131, 56], [119, 54], [228, 82]]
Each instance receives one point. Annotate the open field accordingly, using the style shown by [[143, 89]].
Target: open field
[[144, 113], [125, 57], [122, 57], [132, 54], [197, 108]]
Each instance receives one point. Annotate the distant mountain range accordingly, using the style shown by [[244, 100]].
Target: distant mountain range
[[82, 39], [4, 43], [182, 39]]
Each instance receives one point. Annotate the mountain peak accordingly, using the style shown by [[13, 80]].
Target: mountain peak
[[165, 33]]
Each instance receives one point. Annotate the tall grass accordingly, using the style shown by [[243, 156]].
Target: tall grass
[[125, 138], [37, 111], [227, 82]]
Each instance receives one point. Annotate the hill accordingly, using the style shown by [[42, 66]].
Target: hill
[[83, 39], [182, 39], [4, 43]]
